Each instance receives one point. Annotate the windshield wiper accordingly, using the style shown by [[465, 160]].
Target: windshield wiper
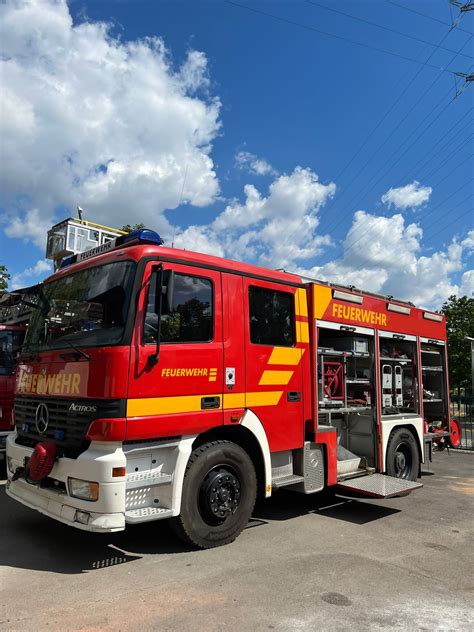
[[77, 349]]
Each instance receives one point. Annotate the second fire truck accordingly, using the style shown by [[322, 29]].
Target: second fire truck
[[157, 383]]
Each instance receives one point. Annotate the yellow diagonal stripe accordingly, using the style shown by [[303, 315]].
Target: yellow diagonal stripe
[[263, 399], [275, 377], [302, 332], [286, 355]]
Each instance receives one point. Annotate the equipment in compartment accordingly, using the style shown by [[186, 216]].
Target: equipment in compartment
[[398, 386], [351, 344], [387, 379], [333, 380], [399, 377]]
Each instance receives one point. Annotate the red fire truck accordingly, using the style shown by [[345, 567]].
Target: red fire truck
[[11, 339], [159, 383]]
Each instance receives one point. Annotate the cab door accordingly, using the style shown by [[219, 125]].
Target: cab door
[[182, 392], [275, 342]]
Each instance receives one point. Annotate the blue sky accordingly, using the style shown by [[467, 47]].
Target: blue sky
[[256, 130]]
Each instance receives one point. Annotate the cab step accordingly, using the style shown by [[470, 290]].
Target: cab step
[[143, 514], [290, 479], [378, 486]]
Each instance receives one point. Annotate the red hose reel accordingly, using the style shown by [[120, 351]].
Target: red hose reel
[[333, 380]]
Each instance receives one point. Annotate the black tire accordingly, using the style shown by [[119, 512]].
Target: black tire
[[219, 476], [403, 458]]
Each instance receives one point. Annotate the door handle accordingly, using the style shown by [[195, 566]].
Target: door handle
[[293, 396], [210, 402]]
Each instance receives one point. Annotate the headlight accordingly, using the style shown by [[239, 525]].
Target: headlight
[[85, 490]]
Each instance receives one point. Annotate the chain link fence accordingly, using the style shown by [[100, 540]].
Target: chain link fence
[[462, 405]]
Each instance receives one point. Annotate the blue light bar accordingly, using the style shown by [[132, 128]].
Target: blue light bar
[[139, 236]]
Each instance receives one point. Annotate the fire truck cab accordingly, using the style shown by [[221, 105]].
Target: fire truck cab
[[11, 339], [161, 383]]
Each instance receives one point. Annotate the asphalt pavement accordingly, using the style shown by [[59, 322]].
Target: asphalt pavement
[[317, 562]]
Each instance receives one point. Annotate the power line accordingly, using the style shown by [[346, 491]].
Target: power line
[[338, 223], [333, 35], [382, 26], [365, 191], [430, 17], [457, 149], [453, 170], [451, 219], [379, 219], [427, 158]]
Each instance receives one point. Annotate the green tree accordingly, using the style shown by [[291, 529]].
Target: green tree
[[459, 312], [127, 228], [4, 277]]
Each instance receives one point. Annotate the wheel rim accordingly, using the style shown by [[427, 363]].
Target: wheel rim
[[219, 495], [403, 460]]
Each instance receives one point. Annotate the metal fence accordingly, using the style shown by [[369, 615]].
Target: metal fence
[[462, 408]]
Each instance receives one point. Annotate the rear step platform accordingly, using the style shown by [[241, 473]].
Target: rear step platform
[[378, 486]]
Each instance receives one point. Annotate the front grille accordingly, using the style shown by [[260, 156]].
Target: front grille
[[67, 428]]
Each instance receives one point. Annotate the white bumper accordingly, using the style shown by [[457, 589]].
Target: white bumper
[[107, 514]]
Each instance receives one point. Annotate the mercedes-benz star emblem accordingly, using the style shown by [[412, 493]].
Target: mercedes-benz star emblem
[[42, 418]]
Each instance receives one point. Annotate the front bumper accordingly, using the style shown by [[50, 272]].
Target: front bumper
[[105, 515]]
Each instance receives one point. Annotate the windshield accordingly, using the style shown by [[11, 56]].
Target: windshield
[[10, 345], [82, 309]]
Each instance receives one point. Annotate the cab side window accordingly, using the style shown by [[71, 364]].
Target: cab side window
[[272, 317], [191, 318]]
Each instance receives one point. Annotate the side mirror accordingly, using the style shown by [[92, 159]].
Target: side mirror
[[164, 291]]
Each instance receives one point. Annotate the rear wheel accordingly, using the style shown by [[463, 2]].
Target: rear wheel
[[403, 459], [218, 498]]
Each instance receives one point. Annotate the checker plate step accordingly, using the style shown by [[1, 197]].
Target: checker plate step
[[378, 486]]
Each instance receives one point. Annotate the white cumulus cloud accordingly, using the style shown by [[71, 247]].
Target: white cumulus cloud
[[382, 254], [91, 119], [409, 196], [30, 275], [276, 230], [254, 164]]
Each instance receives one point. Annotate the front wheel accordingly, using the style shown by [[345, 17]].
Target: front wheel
[[219, 491], [403, 459]]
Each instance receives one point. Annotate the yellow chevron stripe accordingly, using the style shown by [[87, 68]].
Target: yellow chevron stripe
[[302, 332], [286, 355], [263, 399], [275, 377]]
